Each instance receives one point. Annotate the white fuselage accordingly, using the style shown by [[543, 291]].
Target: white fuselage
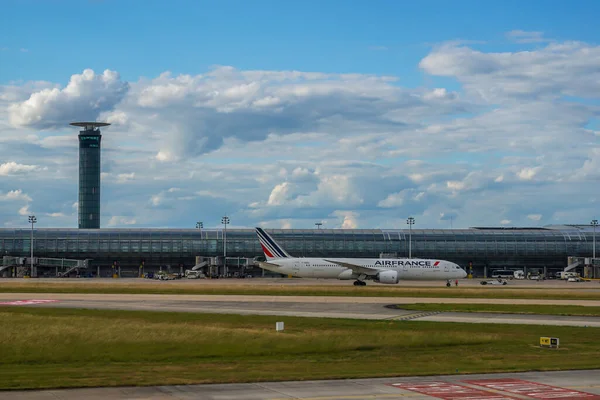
[[407, 269]]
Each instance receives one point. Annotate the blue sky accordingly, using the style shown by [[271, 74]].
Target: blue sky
[[283, 113], [147, 37]]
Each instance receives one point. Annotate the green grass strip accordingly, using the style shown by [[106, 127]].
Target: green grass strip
[[53, 348]]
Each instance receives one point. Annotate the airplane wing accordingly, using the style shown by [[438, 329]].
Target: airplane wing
[[359, 269]]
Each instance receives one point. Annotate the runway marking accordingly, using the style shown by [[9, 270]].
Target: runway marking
[[416, 315], [26, 302], [450, 391], [532, 389], [352, 397]]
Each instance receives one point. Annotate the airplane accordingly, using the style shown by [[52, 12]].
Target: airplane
[[381, 270]]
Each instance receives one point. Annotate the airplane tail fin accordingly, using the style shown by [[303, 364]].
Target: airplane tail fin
[[270, 247]]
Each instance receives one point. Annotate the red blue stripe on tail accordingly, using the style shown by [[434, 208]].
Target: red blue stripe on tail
[[270, 247]]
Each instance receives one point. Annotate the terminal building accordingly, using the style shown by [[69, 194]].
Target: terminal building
[[480, 250]]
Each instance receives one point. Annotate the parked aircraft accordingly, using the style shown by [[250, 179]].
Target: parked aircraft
[[381, 270]]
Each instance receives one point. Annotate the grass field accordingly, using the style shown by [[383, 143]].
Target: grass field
[[49, 348], [505, 309], [284, 290]]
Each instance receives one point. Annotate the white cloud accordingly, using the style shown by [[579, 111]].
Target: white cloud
[[119, 220], [505, 222], [348, 219], [124, 178], [163, 155], [456, 186], [25, 210], [535, 217], [339, 189], [528, 174], [56, 215], [590, 170], [392, 200], [226, 103], [156, 199], [558, 69], [14, 195], [84, 98], [279, 194], [13, 168]]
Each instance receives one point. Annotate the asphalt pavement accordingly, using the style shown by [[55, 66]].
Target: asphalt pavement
[[299, 306], [527, 385]]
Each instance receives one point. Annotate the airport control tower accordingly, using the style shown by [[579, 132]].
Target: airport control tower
[[89, 174]]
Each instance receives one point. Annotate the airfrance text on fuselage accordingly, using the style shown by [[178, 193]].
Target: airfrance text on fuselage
[[403, 263]]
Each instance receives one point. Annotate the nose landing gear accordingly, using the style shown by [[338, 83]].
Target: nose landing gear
[[448, 284]]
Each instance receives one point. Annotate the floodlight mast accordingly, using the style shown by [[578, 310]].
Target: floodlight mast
[[410, 221], [32, 220], [89, 173], [225, 222], [594, 224]]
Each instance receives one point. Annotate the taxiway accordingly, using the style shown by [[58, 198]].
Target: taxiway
[[526, 385], [373, 308]]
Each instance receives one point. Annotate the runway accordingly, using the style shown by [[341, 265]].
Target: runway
[[527, 385], [300, 282], [369, 308]]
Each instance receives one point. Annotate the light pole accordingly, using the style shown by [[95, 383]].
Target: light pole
[[594, 225], [199, 225], [410, 221], [318, 224], [32, 220], [225, 221]]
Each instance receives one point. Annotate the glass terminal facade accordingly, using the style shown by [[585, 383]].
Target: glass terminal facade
[[89, 178], [482, 247]]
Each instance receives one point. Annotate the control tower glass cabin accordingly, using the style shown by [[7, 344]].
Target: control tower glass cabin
[[89, 174]]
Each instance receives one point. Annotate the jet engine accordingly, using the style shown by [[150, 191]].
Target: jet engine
[[347, 274], [389, 277]]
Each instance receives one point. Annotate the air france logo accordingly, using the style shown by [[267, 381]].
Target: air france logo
[[407, 263]]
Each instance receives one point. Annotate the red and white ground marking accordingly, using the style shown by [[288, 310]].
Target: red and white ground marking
[[449, 391], [532, 389], [25, 302]]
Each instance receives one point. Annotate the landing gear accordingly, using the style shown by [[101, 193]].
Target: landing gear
[[360, 283], [448, 284]]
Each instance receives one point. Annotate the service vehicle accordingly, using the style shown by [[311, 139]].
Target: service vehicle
[[504, 274], [498, 281]]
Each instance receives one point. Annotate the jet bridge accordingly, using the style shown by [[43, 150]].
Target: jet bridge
[[62, 266], [589, 266], [573, 263]]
